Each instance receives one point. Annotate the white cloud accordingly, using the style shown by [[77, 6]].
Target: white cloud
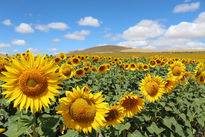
[[58, 25], [7, 22], [34, 50], [133, 43], [186, 7], [78, 35], [24, 28], [177, 43], [4, 45], [186, 30], [89, 21], [194, 29], [56, 40], [18, 42], [53, 49], [200, 18], [42, 28], [143, 30]]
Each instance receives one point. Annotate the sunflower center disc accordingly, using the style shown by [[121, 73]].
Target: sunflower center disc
[[112, 115], [152, 88], [177, 71], [32, 82], [202, 78], [129, 103], [82, 110], [168, 83], [67, 71]]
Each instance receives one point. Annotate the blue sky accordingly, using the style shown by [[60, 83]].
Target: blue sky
[[54, 26]]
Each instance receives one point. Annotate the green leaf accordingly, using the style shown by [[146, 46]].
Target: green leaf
[[136, 133], [122, 127], [167, 122], [154, 128], [48, 125], [24, 124]]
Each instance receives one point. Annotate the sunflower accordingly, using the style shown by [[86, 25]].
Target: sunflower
[[145, 67], [108, 66], [86, 89], [200, 67], [75, 61], [87, 63], [83, 111], [2, 130], [132, 104], [132, 67], [67, 70], [170, 85], [152, 63], [140, 66], [3, 63], [62, 56], [126, 66], [177, 69], [152, 88], [94, 69], [201, 78], [79, 72], [31, 83], [87, 69], [57, 60], [115, 115], [102, 69]]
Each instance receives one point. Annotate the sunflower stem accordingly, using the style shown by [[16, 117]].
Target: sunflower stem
[[35, 134], [124, 133]]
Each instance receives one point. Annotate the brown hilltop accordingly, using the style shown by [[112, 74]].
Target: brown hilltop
[[123, 49]]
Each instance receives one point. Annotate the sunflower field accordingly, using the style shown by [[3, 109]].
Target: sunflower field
[[101, 96]]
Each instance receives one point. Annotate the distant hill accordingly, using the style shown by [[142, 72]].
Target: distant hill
[[123, 49]]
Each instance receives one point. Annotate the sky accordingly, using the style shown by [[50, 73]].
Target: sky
[[54, 26]]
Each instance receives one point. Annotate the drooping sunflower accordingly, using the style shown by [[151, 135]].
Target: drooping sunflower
[[83, 111], [132, 67], [75, 61], [132, 104], [32, 82], [102, 69], [170, 84], [67, 70], [79, 72], [152, 87], [201, 78], [177, 69], [114, 116]]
